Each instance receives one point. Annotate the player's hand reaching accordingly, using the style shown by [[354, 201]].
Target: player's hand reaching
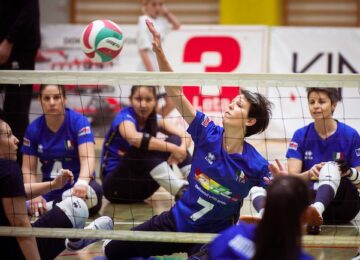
[[37, 206], [313, 173], [156, 43], [60, 180], [276, 171], [81, 189]]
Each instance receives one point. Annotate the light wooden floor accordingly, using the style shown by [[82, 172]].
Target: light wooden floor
[[125, 216]]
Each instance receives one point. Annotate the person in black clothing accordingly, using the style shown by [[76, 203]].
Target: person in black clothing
[[19, 42]]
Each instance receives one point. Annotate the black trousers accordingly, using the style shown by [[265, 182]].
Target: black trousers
[[117, 249], [345, 206]]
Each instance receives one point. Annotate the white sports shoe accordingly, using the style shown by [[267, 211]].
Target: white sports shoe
[[104, 223]]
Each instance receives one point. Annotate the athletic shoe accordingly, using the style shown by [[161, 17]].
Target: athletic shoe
[[250, 219], [103, 223], [315, 220]]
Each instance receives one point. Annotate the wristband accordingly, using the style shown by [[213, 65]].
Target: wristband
[[144, 146], [354, 176]]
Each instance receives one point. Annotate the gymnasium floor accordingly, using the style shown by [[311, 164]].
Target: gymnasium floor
[[125, 216]]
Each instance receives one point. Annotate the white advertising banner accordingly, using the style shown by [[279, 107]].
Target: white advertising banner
[[190, 49], [311, 50]]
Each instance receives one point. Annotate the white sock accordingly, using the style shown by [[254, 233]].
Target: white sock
[[319, 207], [166, 178]]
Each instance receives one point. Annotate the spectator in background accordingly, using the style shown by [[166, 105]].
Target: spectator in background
[[164, 21], [19, 43]]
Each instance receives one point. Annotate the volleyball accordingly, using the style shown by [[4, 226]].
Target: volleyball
[[102, 40]]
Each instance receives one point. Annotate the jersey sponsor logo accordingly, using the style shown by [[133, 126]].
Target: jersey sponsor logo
[[243, 245], [26, 142], [293, 146], [357, 151], [212, 186], [308, 155], [210, 158], [84, 131], [206, 121], [40, 148]]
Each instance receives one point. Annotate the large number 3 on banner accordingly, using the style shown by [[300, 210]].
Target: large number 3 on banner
[[230, 55]]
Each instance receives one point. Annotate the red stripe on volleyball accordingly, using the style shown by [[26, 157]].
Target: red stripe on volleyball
[[87, 35], [108, 52], [90, 54], [110, 25]]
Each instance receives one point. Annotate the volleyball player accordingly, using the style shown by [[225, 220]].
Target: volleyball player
[[326, 139], [69, 213], [134, 162], [61, 139], [278, 235], [224, 168], [312, 152]]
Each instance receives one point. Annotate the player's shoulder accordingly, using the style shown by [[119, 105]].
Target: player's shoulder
[[37, 124], [346, 129]]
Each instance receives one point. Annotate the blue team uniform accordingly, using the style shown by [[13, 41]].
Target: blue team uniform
[[307, 146], [238, 243], [58, 150], [218, 181], [115, 146]]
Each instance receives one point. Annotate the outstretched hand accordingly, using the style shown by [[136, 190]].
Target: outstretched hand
[[276, 171], [156, 43]]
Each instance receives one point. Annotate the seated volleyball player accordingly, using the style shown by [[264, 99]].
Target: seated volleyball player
[[325, 140], [224, 168], [60, 138], [69, 213], [134, 162], [278, 235]]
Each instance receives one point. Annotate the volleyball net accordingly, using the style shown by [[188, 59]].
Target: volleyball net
[[101, 95]]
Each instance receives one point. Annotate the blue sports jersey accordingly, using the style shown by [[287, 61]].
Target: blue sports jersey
[[58, 150], [307, 146], [115, 146], [238, 243], [218, 181]]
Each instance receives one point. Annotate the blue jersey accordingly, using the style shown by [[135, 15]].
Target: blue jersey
[[57, 150], [238, 243], [218, 181], [307, 146], [115, 146]]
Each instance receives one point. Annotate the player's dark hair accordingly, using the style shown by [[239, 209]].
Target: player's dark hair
[[260, 109], [151, 125], [333, 93], [278, 235], [61, 88]]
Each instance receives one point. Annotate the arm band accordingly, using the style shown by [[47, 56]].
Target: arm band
[[354, 176], [144, 146]]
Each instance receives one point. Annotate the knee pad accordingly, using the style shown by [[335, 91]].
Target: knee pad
[[91, 200], [330, 175], [76, 210], [256, 192]]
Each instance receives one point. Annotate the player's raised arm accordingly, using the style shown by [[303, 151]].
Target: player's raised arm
[[182, 104]]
